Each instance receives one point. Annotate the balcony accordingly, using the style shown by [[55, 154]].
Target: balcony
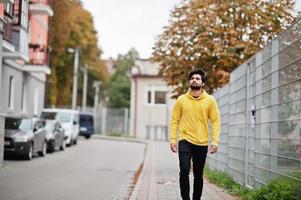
[[20, 43], [40, 7]]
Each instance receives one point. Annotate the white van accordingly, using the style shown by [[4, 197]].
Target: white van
[[69, 120]]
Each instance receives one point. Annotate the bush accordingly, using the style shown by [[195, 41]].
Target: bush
[[278, 189]]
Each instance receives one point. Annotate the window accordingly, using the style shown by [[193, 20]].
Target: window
[[24, 96], [21, 11], [160, 97], [155, 96], [11, 92], [149, 97], [8, 9]]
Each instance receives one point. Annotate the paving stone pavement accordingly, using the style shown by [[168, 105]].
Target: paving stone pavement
[[159, 177]]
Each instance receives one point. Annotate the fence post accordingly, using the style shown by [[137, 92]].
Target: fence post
[[247, 124], [103, 120], [275, 103], [126, 121]]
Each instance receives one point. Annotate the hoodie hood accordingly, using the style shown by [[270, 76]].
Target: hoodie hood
[[203, 95]]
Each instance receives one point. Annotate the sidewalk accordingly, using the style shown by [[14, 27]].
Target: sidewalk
[[159, 177]]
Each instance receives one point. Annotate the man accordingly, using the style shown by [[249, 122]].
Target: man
[[190, 118]]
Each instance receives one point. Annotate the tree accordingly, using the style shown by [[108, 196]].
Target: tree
[[71, 27], [217, 35], [118, 86]]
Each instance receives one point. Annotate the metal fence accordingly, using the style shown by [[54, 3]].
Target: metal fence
[[111, 121], [261, 114]]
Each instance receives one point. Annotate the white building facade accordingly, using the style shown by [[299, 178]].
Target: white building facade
[[151, 105]]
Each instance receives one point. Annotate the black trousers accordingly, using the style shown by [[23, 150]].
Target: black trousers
[[198, 154]]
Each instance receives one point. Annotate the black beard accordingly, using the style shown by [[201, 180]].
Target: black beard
[[195, 87]]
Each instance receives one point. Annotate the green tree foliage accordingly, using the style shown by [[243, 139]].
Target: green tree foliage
[[71, 27], [217, 35], [118, 86]]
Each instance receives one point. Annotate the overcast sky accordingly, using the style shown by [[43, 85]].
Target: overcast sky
[[122, 24]]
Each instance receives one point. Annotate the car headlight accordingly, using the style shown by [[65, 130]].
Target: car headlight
[[23, 138]]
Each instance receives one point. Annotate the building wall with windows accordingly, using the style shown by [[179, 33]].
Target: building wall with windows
[[24, 64], [150, 102]]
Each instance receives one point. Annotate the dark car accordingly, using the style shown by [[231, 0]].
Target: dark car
[[86, 124], [55, 136], [24, 136]]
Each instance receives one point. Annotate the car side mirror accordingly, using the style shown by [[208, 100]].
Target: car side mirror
[[74, 123]]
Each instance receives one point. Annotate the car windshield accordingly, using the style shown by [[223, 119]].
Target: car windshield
[[59, 116], [18, 124], [86, 119], [49, 126]]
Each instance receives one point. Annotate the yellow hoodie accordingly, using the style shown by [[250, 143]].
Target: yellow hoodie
[[190, 117]]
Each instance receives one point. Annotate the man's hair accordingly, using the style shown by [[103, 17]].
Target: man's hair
[[199, 71]]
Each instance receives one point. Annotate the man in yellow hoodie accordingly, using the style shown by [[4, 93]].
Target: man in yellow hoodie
[[189, 125]]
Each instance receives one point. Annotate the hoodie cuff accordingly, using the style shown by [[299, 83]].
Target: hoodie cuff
[[215, 144], [172, 141]]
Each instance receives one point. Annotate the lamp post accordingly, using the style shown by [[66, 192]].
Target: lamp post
[[85, 71], [96, 85], [75, 74]]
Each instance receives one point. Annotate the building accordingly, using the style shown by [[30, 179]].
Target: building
[[110, 65], [24, 58], [150, 102]]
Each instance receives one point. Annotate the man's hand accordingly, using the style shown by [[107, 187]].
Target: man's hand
[[174, 148], [213, 149]]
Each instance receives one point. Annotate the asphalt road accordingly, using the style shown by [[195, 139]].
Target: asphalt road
[[92, 170]]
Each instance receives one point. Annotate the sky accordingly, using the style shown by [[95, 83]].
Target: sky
[[123, 24]]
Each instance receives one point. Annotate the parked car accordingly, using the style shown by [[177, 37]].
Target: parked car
[[55, 136], [24, 136], [86, 124], [69, 120]]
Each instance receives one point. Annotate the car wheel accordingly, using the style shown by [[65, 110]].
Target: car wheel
[[63, 146], [75, 141], [87, 136], [44, 149], [30, 152]]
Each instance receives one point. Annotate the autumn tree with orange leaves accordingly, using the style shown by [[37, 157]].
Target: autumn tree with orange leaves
[[217, 35], [72, 26]]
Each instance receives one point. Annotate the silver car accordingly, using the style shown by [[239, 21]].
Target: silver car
[[25, 137], [55, 136]]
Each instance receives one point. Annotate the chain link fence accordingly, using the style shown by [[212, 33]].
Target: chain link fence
[[261, 115]]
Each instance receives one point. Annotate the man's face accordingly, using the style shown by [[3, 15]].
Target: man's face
[[196, 82]]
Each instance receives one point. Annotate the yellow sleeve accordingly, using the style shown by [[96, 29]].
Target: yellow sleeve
[[174, 123], [215, 122]]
